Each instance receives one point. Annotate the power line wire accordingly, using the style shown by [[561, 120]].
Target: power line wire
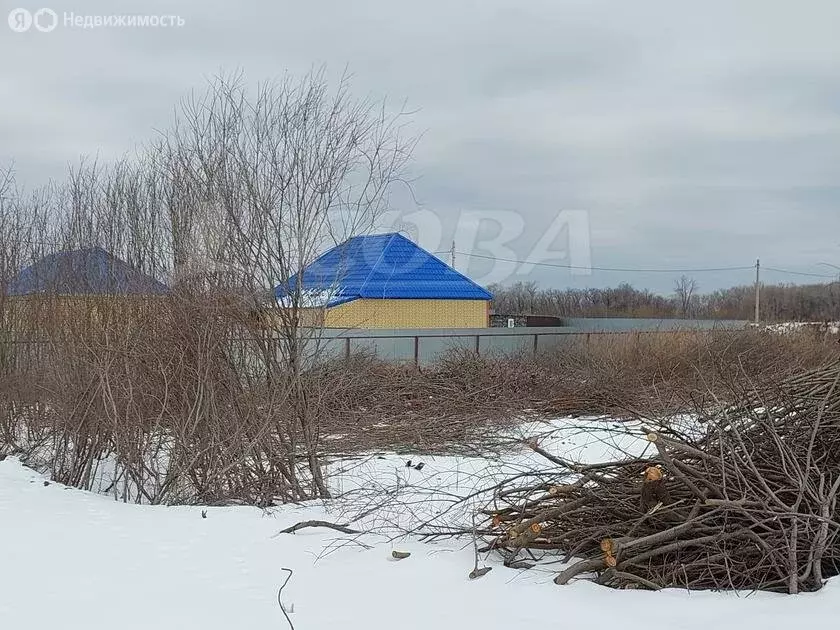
[[624, 269], [640, 270], [799, 273]]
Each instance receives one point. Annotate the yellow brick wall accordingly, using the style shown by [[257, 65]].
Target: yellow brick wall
[[40, 312], [409, 314]]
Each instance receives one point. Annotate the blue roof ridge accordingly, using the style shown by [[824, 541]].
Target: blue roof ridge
[[467, 278], [378, 260]]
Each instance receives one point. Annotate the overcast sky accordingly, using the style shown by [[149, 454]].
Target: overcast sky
[[674, 135]]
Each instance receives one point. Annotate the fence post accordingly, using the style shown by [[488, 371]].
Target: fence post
[[477, 344], [416, 350], [347, 348], [536, 338]]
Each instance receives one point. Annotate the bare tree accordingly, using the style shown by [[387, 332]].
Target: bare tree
[[6, 222], [684, 290], [268, 178], [26, 220]]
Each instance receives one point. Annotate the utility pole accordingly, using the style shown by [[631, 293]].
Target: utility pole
[[452, 256], [757, 285]]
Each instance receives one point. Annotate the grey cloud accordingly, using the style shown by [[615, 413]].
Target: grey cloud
[[793, 90], [694, 135]]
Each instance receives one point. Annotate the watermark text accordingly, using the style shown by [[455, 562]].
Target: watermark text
[[46, 20]]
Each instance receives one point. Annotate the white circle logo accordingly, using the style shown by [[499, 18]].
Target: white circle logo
[[45, 20], [20, 20]]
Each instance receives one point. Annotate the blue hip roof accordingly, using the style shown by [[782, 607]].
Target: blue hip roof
[[91, 271], [382, 266]]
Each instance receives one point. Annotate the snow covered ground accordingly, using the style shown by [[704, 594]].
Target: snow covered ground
[[73, 559], [830, 328]]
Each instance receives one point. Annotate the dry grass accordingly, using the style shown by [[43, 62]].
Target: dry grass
[[461, 402], [184, 407], [616, 374]]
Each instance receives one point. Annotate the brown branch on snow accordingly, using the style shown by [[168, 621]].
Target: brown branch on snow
[[304, 524]]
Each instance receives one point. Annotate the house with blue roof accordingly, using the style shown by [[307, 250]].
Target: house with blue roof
[[78, 288], [387, 281], [90, 271]]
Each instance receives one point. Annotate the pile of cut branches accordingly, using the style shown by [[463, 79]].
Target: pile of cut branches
[[745, 498]]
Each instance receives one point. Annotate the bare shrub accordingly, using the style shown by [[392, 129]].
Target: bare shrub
[[203, 395], [621, 373], [151, 403], [461, 402]]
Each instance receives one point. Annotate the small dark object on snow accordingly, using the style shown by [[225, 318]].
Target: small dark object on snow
[[408, 464], [46, 483], [400, 555], [203, 513], [419, 466], [477, 573]]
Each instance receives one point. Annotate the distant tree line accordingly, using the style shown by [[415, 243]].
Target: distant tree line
[[779, 302]]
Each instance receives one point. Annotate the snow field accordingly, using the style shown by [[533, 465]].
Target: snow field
[[71, 559]]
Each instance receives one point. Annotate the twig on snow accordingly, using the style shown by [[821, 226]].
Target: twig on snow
[[279, 596], [304, 524]]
